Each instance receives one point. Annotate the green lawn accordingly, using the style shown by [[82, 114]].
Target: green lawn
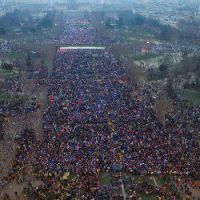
[[160, 181], [150, 197], [4, 97], [146, 56], [190, 95], [104, 178]]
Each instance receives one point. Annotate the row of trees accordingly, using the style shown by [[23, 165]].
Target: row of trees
[[25, 21], [47, 21], [130, 19], [186, 30], [7, 66], [188, 64]]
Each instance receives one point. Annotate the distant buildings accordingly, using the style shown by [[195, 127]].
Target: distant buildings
[[170, 12]]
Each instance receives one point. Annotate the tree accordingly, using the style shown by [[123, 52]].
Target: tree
[[127, 18], [170, 87], [168, 60], [29, 63], [108, 23], [7, 66], [2, 31], [163, 68], [162, 108], [120, 22], [139, 19], [42, 62], [47, 21], [168, 33]]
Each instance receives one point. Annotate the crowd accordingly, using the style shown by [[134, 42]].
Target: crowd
[[92, 123], [78, 31], [15, 101]]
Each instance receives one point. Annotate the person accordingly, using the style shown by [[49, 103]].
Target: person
[[92, 122]]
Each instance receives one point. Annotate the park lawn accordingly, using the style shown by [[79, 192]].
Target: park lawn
[[159, 180], [139, 32], [138, 180], [71, 176], [4, 97], [105, 178], [146, 56], [149, 197], [190, 95]]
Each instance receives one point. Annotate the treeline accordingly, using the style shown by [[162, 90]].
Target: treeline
[[47, 21], [7, 66], [189, 64], [25, 21], [9, 20], [187, 72], [127, 18]]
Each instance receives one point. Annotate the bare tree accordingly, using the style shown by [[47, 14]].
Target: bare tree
[[162, 108]]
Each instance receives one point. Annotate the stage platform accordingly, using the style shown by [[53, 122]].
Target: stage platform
[[67, 48]]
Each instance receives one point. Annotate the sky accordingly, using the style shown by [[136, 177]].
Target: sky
[[144, 1]]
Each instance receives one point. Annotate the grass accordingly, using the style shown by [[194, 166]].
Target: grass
[[150, 197], [141, 32], [146, 56], [159, 180], [71, 176], [190, 95], [140, 179], [105, 178], [4, 97]]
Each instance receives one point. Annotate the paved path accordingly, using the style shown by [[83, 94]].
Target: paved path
[[124, 192], [155, 181]]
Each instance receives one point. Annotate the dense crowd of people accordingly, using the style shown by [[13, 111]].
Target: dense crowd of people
[[92, 123], [79, 31], [90, 98], [15, 101]]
